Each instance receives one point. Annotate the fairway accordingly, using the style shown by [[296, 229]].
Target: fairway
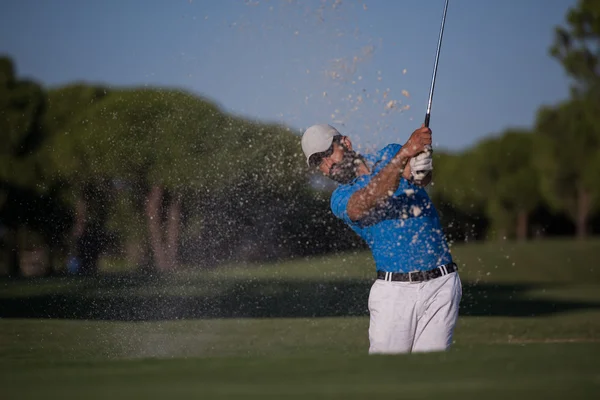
[[533, 371], [529, 328]]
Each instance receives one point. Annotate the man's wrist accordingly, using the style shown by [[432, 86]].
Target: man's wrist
[[403, 157]]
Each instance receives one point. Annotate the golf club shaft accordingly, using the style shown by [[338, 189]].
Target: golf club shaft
[[437, 57]]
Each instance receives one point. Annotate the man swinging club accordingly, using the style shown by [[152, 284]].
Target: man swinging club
[[413, 303]]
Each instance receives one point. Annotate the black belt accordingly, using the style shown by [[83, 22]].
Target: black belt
[[418, 276]]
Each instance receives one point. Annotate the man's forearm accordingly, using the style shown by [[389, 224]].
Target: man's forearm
[[381, 187]]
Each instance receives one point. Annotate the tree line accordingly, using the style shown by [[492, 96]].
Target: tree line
[[549, 173], [164, 178]]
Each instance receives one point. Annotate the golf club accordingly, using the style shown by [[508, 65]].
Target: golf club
[[437, 57]]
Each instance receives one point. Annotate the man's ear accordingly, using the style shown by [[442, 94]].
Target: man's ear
[[346, 142]]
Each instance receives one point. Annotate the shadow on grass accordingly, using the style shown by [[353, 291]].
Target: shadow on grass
[[135, 298]]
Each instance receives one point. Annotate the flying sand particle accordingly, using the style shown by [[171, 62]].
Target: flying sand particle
[[416, 210], [391, 104]]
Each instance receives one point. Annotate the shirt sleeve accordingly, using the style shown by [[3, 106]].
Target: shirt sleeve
[[339, 202]]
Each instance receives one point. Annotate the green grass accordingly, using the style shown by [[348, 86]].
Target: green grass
[[497, 372], [529, 328]]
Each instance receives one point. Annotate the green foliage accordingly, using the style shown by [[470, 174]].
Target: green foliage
[[171, 138], [248, 172], [454, 179], [578, 46], [28, 209], [495, 179], [7, 72], [569, 184], [117, 136], [456, 194], [508, 177], [64, 104], [567, 152], [21, 109]]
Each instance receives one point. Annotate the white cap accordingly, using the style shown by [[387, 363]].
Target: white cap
[[317, 138]]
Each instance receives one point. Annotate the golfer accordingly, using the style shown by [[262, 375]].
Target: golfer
[[413, 303]]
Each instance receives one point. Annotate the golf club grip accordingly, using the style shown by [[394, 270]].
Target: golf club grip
[[428, 148], [427, 117]]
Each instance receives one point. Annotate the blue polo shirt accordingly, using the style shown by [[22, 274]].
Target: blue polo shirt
[[405, 234]]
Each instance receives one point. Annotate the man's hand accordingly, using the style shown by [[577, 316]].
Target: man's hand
[[421, 166], [417, 142]]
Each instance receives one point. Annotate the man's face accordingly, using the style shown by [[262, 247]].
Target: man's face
[[340, 163], [329, 163]]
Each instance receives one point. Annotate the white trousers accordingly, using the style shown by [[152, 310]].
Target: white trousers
[[413, 317]]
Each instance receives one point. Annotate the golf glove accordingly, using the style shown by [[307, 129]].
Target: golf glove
[[421, 165]]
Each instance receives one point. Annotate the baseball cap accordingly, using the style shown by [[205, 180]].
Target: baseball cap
[[318, 138]]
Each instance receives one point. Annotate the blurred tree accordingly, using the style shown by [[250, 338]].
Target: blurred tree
[[22, 106], [87, 194], [167, 147], [455, 192], [508, 180], [28, 207], [577, 46], [263, 186], [66, 103], [131, 139], [567, 154], [570, 132]]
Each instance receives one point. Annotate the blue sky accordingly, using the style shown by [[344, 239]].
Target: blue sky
[[363, 66]]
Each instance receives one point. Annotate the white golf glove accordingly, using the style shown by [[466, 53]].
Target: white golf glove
[[421, 165]]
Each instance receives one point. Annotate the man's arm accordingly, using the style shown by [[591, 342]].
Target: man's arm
[[386, 182], [379, 189]]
